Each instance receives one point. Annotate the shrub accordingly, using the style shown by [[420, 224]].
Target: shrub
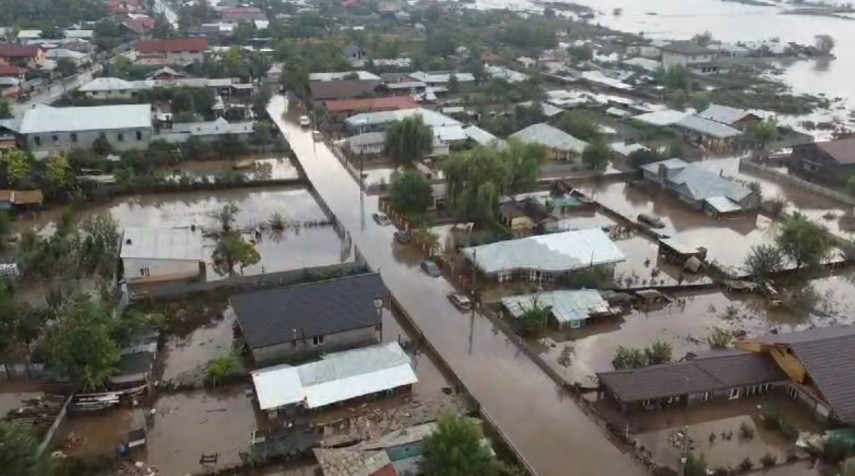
[[224, 367], [746, 431], [746, 464], [768, 460]]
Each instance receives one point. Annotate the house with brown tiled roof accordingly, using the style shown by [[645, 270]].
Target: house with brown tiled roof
[[243, 14], [29, 56], [171, 51]]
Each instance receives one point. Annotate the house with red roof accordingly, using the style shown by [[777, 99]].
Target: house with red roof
[[242, 14], [138, 25], [12, 71], [123, 7], [29, 56], [171, 51], [340, 109]]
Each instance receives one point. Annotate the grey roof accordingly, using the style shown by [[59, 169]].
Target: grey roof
[[430, 117], [686, 48], [366, 139], [45, 119], [698, 182], [711, 372], [182, 131], [441, 77], [480, 135], [174, 244], [567, 305], [543, 133], [828, 355], [274, 316], [342, 89], [363, 75], [723, 114], [707, 127]]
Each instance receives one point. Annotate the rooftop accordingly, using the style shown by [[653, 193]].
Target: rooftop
[[842, 151], [44, 119], [10, 50], [686, 48], [724, 114], [337, 377], [665, 117], [480, 136], [700, 183], [707, 127], [353, 462], [441, 77], [336, 76], [430, 117], [371, 104], [566, 305], [342, 88], [274, 316], [551, 137], [556, 252], [174, 45], [162, 243]]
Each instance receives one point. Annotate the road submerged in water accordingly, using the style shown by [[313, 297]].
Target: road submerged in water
[[545, 426]]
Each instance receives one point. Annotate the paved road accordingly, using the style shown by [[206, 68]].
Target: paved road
[[547, 428], [50, 94]]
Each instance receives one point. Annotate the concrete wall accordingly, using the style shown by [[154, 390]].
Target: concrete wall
[[332, 343], [787, 179], [110, 95], [125, 139], [159, 269], [670, 59]]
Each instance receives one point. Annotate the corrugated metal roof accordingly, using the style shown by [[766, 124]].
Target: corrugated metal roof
[[567, 305], [366, 139], [625, 149], [335, 76], [723, 114], [707, 127], [698, 182], [480, 135], [163, 243], [336, 378], [430, 117], [555, 252], [551, 137], [665, 117], [43, 119], [441, 77], [723, 204]]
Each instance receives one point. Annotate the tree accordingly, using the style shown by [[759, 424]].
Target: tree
[[58, 172], [222, 368], [102, 146], [763, 260], [453, 83], [456, 449], [695, 465], [766, 132], [534, 318], [80, 347], [524, 160], [476, 179], [18, 445], [578, 126], [658, 353], [628, 358], [719, 338], [99, 244], [675, 77], [19, 166], [597, 154], [66, 67], [803, 241], [408, 140], [6, 229], [5, 110], [225, 217], [410, 192], [703, 39], [824, 43], [580, 53], [232, 250], [643, 157]]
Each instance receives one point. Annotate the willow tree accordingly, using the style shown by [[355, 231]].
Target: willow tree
[[409, 140]]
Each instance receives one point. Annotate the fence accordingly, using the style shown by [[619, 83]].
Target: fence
[[23, 370], [47, 441], [788, 179]]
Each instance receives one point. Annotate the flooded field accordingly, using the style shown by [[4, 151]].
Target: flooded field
[[186, 353], [377, 175], [95, 433], [644, 268], [297, 247], [250, 168], [13, 394], [723, 419], [728, 240]]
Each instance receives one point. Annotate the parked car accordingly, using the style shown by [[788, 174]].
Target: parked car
[[304, 121], [317, 136], [651, 220], [460, 301], [403, 237], [381, 218], [431, 269]]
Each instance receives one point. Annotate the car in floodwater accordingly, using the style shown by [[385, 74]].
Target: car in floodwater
[[403, 237], [381, 218], [304, 121], [317, 136], [460, 301], [431, 269], [652, 221]]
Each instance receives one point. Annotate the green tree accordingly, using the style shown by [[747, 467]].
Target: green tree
[[763, 260], [597, 154], [5, 110], [408, 140], [66, 67], [225, 217], [824, 43], [58, 172], [19, 166], [99, 244], [703, 39], [766, 132], [534, 319], [232, 250], [18, 446], [675, 77], [659, 352], [695, 465], [803, 241], [524, 160], [580, 53], [222, 368], [456, 449], [102, 146], [719, 338], [643, 157], [79, 345], [578, 126], [410, 192], [6, 230], [476, 179], [628, 358]]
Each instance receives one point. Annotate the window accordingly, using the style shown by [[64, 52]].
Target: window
[[74, 137], [139, 135], [145, 272], [37, 140], [54, 138], [318, 340], [734, 393], [120, 137]]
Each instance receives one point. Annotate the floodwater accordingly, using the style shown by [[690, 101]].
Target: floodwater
[[723, 418], [252, 169], [14, 392], [189, 353], [295, 248], [727, 240], [97, 433], [549, 431]]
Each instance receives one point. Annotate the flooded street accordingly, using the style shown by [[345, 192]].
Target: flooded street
[[548, 429], [295, 248]]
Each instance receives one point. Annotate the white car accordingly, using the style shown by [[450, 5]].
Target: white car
[[317, 136], [304, 121]]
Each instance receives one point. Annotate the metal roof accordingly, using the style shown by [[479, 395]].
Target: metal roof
[[108, 84], [707, 127], [665, 117], [441, 77], [506, 74], [625, 149], [274, 316], [181, 244], [698, 182], [686, 48], [430, 117], [45, 119], [336, 76], [367, 139], [711, 372], [480, 135], [566, 305], [723, 204], [723, 114], [551, 137], [336, 378], [353, 462], [555, 252]]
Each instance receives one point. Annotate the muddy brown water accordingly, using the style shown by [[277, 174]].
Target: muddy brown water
[[550, 431], [292, 249]]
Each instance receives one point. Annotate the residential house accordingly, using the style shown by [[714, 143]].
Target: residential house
[[355, 54], [166, 74], [274, 74], [158, 255], [353, 462], [482, 137], [508, 75], [448, 132], [693, 127], [561, 145], [339, 110], [545, 258], [339, 75], [59, 54], [568, 309], [728, 50], [181, 132], [242, 14], [701, 188], [367, 144], [336, 379], [78, 34], [731, 116], [9, 133], [109, 89], [522, 216], [136, 363], [25, 36], [829, 161], [692, 56], [406, 88], [297, 322], [20, 199], [444, 78], [29, 56], [46, 129], [12, 71], [138, 25], [344, 89], [171, 51], [124, 7]]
